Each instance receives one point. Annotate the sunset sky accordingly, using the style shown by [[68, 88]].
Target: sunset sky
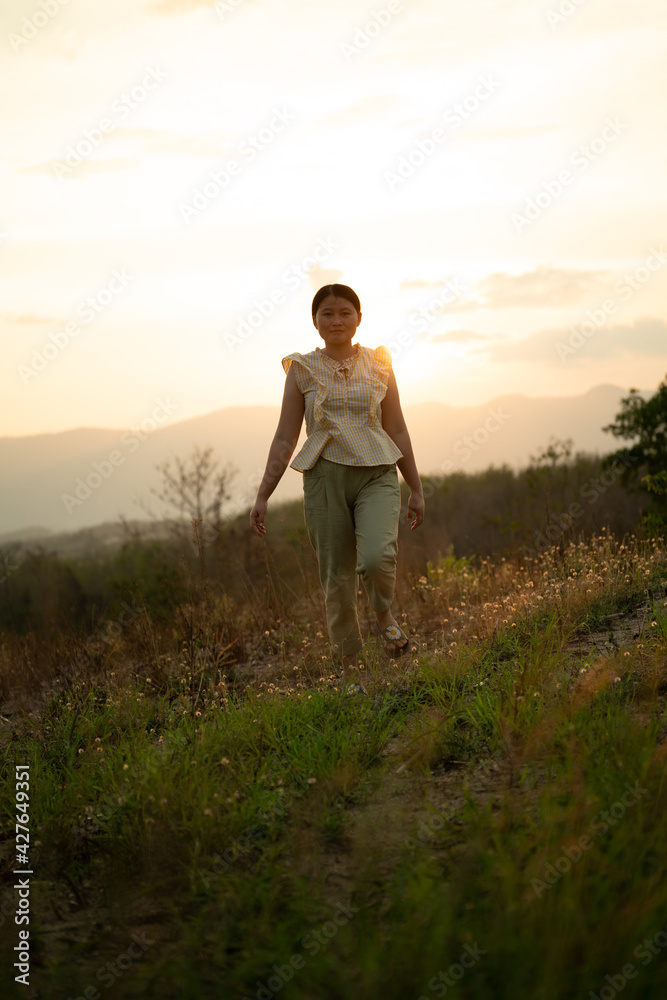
[[489, 177]]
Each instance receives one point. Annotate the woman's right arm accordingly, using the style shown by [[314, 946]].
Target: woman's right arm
[[281, 450]]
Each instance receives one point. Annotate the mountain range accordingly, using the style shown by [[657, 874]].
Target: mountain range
[[69, 480]]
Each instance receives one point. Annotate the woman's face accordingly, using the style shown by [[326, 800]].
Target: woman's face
[[336, 320]]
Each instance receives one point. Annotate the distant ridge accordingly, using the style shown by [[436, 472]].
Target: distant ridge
[[113, 471]]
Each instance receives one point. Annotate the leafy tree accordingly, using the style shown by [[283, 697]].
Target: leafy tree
[[643, 421]]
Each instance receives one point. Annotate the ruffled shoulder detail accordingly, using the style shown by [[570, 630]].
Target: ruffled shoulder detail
[[382, 364], [303, 372], [286, 362]]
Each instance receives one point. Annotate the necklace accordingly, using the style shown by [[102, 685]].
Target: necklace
[[345, 360]]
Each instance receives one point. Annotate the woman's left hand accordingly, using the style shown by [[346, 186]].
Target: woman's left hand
[[416, 509]]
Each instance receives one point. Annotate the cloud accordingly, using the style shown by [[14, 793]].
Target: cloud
[[409, 283], [140, 143], [546, 287], [644, 338]]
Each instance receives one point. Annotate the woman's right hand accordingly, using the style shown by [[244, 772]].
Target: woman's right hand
[[257, 515]]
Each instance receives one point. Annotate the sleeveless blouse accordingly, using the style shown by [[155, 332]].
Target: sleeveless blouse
[[343, 407]]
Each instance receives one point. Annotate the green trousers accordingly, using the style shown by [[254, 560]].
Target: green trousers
[[351, 514]]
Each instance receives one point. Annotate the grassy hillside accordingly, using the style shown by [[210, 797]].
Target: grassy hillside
[[81, 583], [212, 816]]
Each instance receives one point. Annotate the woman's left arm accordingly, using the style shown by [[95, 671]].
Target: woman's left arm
[[393, 423]]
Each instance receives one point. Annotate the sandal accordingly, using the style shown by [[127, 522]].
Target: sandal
[[390, 634]]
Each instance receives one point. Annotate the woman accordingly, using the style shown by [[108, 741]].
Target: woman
[[356, 438]]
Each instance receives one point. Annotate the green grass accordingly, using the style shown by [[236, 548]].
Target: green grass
[[427, 840]]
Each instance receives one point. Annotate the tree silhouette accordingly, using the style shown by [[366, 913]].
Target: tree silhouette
[[643, 421], [196, 488]]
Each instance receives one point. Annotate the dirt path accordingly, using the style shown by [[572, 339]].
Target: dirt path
[[409, 807]]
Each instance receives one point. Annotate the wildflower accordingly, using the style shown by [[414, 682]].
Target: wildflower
[[312, 781], [208, 812], [126, 767], [224, 760]]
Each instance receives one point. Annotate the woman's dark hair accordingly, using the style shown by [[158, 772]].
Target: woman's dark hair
[[340, 292]]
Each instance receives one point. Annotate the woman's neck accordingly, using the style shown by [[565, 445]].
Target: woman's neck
[[340, 352]]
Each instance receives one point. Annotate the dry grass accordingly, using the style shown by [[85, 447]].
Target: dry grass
[[213, 647]]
